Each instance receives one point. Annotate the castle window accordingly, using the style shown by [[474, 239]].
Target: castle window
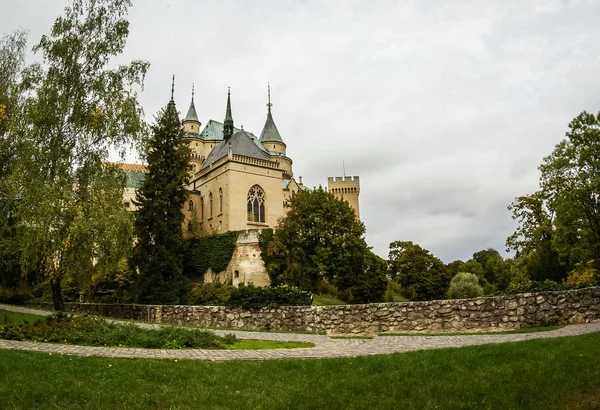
[[220, 200], [210, 205], [127, 204], [191, 205], [190, 227], [256, 204], [202, 208]]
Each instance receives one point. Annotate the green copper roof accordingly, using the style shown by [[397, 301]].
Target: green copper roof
[[270, 132], [191, 114], [134, 179], [213, 131]]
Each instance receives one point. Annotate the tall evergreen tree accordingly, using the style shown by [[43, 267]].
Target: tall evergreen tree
[[158, 224]]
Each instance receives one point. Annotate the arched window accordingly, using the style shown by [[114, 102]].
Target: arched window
[[220, 200], [202, 208], [256, 204], [210, 203], [191, 205]]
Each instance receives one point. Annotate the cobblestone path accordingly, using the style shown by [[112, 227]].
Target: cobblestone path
[[325, 346]]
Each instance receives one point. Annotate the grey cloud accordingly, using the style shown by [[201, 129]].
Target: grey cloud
[[444, 109]]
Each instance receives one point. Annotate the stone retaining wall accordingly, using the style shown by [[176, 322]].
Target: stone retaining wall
[[481, 314]]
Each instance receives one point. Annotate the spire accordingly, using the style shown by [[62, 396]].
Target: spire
[[228, 123], [172, 90], [269, 105], [191, 114], [270, 132]]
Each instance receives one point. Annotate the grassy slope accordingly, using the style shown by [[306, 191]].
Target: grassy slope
[[556, 373]]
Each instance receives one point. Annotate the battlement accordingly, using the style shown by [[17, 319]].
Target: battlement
[[343, 182]]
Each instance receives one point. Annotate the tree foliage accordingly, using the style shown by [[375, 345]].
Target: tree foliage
[[421, 274], [320, 239], [464, 285], [158, 219], [73, 110], [559, 226]]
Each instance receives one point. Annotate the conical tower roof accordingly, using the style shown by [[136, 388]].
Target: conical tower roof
[[270, 133], [191, 114]]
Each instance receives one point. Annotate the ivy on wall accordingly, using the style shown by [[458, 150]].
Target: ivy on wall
[[264, 237], [212, 251]]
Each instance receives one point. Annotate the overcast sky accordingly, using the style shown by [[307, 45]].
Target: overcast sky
[[443, 108]]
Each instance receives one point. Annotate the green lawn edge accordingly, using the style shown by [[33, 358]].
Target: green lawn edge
[[546, 373]]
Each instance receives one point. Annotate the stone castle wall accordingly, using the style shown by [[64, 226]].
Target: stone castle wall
[[481, 314]]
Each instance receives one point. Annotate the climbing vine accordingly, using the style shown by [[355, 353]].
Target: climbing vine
[[212, 251]]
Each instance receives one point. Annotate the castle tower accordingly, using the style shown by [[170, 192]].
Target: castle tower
[[191, 127], [346, 189], [191, 122], [272, 141]]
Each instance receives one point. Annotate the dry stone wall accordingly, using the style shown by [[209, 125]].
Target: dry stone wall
[[481, 314]]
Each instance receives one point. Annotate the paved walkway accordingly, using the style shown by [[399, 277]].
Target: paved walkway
[[325, 347]]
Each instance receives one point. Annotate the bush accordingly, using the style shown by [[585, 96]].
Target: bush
[[535, 286], [13, 297], [92, 331], [583, 275], [252, 297], [464, 285], [209, 294]]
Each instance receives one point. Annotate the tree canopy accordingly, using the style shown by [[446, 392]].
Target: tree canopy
[[559, 225], [421, 275], [321, 239], [72, 111]]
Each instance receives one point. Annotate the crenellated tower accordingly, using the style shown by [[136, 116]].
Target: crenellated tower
[[346, 189]]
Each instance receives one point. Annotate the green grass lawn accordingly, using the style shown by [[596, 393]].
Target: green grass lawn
[[14, 318], [561, 373]]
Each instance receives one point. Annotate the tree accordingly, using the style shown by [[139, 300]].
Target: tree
[[319, 239], [74, 111], [158, 219], [559, 226], [12, 58], [418, 271], [464, 285], [570, 177]]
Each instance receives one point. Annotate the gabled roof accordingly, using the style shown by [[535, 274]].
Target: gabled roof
[[242, 143]]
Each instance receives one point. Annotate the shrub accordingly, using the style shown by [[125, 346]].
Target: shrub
[[583, 275], [13, 297], [535, 286], [252, 297], [209, 294], [93, 331], [464, 285]]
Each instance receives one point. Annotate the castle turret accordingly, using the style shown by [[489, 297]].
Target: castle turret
[[191, 123], [346, 189], [272, 141]]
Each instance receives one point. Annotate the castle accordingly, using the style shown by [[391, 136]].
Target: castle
[[239, 182]]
